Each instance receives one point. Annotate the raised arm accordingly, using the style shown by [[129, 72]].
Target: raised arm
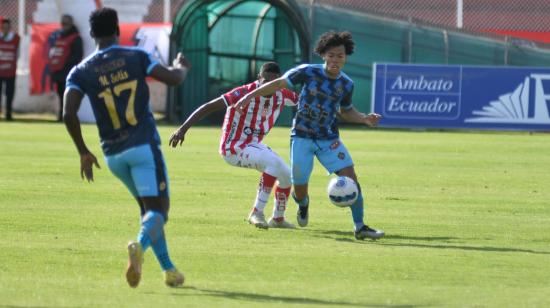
[[173, 75], [72, 100], [179, 135], [264, 90], [353, 116]]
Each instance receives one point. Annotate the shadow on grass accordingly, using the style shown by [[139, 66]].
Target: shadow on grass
[[471, 248], [32, 121], [388, 240], [256, 297]]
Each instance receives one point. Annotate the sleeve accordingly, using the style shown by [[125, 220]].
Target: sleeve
[[346, 100], [74, 80], [148, 62], [296, 75], [233, 96], [290, 98]]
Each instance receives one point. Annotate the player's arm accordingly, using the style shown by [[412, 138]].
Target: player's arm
[[207, 108], [352, 115], [173, 75], [264, 90], [72, 100]]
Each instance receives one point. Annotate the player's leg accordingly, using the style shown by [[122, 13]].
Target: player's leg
[[335, 157], [119, 166], [150, 176], [10, 91], [247, 158], [60, 91], [275, 166], [302, 151]]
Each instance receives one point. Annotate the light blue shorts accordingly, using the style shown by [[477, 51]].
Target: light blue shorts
[[142, 170], [332, 154]]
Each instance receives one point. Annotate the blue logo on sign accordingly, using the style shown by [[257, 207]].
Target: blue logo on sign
[[462, 96]]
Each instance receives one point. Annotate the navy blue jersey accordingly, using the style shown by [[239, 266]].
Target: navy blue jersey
[[114, 81], [320, 99]]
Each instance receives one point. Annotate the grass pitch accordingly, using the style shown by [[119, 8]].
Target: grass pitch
[[467, 218]]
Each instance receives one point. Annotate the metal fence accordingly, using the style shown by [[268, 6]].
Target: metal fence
[[475, 15], [157, 12]]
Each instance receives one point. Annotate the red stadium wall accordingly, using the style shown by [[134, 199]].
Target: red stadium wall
[[38, 54]]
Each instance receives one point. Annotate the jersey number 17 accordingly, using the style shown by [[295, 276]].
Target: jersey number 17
[[108, 98]]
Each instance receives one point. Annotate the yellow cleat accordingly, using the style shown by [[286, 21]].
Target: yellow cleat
[[173, 278], [135, 259]]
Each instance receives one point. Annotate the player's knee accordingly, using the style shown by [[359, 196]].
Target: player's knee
[[157, 204], [282, 172]]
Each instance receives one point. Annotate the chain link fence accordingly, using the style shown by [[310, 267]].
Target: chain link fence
[[475, 15], [9, 9]]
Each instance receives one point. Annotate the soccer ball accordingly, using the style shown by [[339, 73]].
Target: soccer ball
[[342, 191]]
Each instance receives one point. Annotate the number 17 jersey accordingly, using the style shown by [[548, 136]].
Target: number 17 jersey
[[114, 79]]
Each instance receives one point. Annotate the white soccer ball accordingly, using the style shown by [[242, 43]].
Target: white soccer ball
[[342, 191]]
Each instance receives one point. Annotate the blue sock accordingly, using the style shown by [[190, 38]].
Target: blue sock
[[151, 227], [152, 234], [161, 252], [301, 203], [357, 212]]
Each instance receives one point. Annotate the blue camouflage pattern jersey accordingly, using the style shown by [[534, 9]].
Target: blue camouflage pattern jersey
[[319, 101], [114, 80]]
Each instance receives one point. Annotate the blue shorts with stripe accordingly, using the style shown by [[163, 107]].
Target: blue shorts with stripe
[[332, 154], [142, 170]]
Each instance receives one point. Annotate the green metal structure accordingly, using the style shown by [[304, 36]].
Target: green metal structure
[[228, 40]]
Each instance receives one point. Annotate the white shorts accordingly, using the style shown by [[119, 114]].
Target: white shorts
[[260, 157]]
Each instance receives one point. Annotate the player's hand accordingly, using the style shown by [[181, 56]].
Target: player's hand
[[241, 105], [372, 119], [87, 160], [180, 61], [177, 137]]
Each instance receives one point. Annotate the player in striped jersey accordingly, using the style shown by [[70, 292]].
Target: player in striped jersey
[[241, 142], [326, 92]]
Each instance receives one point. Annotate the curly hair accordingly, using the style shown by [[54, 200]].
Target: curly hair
[[332, 39]]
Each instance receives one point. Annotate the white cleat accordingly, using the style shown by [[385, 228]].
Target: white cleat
[[283, 224], [257, 219], [369, 232]]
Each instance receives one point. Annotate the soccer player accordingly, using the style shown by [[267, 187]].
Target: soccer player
[[241, 142], [326, 92], [113, 77]]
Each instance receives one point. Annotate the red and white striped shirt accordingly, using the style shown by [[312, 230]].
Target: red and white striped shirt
[[251, 126]]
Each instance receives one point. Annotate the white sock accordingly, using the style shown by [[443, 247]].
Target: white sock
[[261, 198]]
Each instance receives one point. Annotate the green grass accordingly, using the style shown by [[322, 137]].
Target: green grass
[[467, 217]]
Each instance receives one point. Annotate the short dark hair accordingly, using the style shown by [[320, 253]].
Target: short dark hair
[[104, 22], [332, 39], [270, 67], [6, 21]]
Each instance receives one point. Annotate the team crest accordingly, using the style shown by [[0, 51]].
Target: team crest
[[162, 186]]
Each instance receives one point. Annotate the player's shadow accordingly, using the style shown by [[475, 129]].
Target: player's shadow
[[343, 235], [467, 248], [442, 242], [256, 297]]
